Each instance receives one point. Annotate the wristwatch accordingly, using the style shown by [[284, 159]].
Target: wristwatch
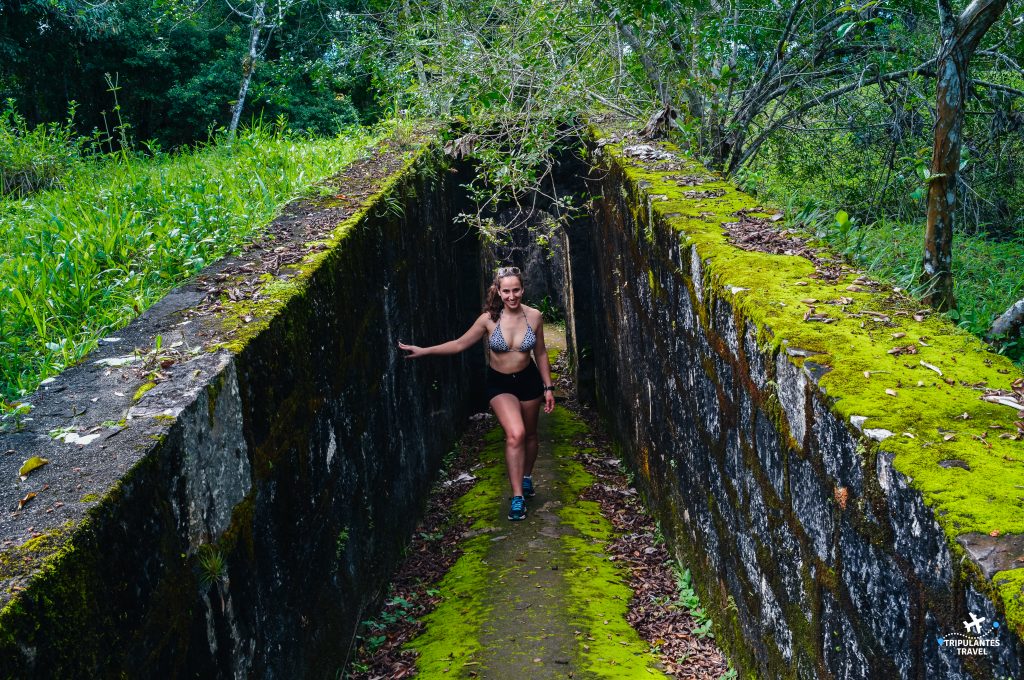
[[549, 388]]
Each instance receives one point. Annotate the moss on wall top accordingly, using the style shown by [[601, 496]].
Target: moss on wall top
[[915, 379]]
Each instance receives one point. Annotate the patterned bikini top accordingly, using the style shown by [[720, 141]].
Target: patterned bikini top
[[497, 342]]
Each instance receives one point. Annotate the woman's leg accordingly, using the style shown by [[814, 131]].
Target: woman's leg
[[510, 415], [531, 414]]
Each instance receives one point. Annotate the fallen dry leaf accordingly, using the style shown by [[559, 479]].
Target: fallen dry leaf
[[26, 500], [33, 463]]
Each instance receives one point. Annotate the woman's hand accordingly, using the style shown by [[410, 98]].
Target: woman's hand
[[549, 401], [414, 352]]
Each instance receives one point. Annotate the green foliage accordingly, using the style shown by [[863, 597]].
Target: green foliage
[[38, 157], [689, 601], [212, 567], [515, 79], [76, 263], [884, 226], [341, 544], [179, 65], [372, 632], [551, 312]]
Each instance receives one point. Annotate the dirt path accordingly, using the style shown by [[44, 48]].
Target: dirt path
[[540, 597], [482, 597]]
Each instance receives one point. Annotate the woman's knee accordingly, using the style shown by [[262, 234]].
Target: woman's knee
[[515, 436], [531, 438]]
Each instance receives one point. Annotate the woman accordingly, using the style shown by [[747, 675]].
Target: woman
[[515, 383]]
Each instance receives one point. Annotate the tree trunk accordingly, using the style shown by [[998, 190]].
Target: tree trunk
[[650, 67], [1009, 324], [960, 37], [249, 64], [421, 73]]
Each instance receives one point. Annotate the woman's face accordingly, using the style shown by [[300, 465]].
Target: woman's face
[[511, 290]]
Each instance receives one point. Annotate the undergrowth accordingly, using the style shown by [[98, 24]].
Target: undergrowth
[[125, 228], [34, 158]]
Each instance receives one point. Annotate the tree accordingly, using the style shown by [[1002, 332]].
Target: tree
[[261, 28], [960, 38]]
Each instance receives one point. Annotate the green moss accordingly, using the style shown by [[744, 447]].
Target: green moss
[[984, 499], [20, 560], [598, 594], [90, 498], [451, 637], [607, 645], [143, 388], [1011, 589]]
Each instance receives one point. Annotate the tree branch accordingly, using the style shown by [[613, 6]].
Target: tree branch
[[818, 100], [999, 88]]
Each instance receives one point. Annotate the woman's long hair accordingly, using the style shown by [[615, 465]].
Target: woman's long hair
[[494, 305]]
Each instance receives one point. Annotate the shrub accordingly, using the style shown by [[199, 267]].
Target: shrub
[[38, 158]]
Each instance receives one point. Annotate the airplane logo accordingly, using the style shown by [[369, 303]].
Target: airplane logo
[[974, 623]]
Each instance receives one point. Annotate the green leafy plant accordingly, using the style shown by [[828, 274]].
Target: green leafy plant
[[341, 544], [551, 313], [689, 600], [35, 158], [212, 566]]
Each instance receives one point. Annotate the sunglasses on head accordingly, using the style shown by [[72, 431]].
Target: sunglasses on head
[[508, 271]]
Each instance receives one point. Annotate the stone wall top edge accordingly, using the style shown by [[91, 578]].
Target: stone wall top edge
[[96, 421], [903, 379]]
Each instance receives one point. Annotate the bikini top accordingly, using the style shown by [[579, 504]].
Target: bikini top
[[497, 342]]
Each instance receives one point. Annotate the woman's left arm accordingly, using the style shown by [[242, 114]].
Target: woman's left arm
[[540, 353]]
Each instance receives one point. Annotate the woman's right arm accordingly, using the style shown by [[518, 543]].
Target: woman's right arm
[[474, 334]]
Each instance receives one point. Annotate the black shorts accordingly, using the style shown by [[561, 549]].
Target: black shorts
[[526, 385]]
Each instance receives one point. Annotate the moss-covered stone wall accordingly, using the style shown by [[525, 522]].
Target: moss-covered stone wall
[[239, 517], [815, 444]]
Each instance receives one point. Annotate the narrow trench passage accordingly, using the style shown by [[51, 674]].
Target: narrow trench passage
[[541, 597]]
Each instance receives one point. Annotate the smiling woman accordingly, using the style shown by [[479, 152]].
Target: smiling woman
[[515, 382]]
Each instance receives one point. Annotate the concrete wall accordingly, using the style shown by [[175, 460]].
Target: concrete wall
[[819, 558], [247, 510]]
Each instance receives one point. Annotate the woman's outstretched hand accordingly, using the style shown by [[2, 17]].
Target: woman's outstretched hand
[[414, 352], [549, 401]]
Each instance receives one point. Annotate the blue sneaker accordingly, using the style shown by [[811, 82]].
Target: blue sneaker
[[517, 510], [528, 490]]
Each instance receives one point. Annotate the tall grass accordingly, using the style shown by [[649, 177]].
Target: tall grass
[[77, 262], [33, 158]]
